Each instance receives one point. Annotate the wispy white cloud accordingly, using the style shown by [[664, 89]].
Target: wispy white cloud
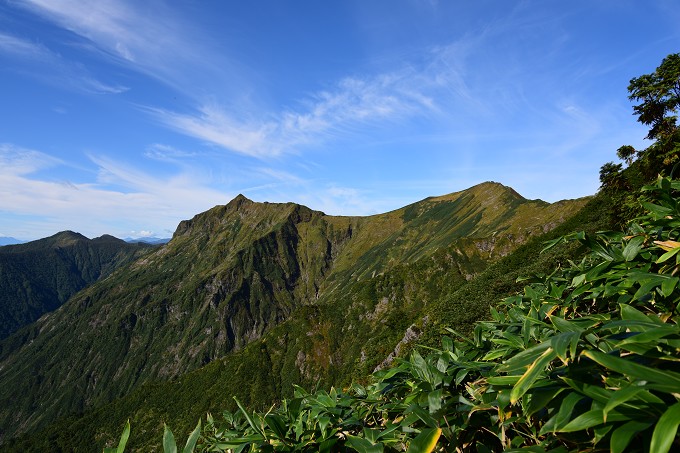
[[117, 198], [218, 127], [279, 175], [159, 151], [142, 234], [50, 67], [12, 45], [15, 160], [162, 45], [439, 86], [120, 199], [336, 199], [148, 37], [115, 26], [352, 105], [181, 189], [126, 201]]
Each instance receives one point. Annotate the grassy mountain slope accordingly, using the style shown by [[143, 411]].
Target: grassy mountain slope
[[584, 356], [296, 351], [329, 297], [41, 275]]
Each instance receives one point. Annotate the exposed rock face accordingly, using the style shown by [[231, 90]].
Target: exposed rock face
[[411, 334]]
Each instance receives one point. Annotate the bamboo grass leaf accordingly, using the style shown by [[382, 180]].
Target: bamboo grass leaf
[[622, 435], [193, 438], [669, 285], [563, 414], [277, 424], [169, 445], [620, 396], [630, 313], [651, 335], [434, 399], [563, 342], [425, 442], [665, 430], [667, 380], [590, 419], [565, 326], [532, 373], [122, 442], [364, 445], [422, 414], [249, 418], [669, 246], [525, 358], [633, 248]]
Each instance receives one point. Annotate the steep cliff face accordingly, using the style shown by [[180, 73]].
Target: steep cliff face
[[39, 276], [342, 290]]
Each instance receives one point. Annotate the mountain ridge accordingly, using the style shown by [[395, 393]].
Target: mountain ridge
[[232, 273]]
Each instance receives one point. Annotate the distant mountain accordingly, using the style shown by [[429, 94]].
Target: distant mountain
[[148, 240], [39, 276], [323, 298], [6, 240]]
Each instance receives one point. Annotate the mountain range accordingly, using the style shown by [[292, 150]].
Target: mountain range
[[7, 240], [148, 240], [262, 295]]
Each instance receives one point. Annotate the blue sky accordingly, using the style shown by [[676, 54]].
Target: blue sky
[[125, 117]]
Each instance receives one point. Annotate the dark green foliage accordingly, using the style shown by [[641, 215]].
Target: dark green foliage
[[659, 97], [39, 276], [658, 94]]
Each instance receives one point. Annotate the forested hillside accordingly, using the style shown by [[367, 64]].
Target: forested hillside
[[39, 276]]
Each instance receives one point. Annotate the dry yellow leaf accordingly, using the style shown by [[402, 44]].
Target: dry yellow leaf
[[668, 245]]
